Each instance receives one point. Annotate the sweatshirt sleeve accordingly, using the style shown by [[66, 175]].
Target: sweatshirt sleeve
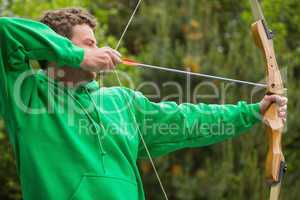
[[22, 40], [167, 126]]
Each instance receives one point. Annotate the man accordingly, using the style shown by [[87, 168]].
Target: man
[[75, 140]]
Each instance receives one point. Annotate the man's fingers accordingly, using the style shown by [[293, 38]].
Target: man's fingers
[[113, 51], [283, 108], [111, 65], [114, 56], [284, 101], [282, 114], [281, 101], [116, 59], [282, 105], [101, 59], [273, 98], [108, 64], [118, 54]]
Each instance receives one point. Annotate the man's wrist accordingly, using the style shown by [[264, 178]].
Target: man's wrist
[[256, 111]]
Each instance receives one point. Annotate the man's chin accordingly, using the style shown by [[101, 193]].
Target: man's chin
[[68, 74]]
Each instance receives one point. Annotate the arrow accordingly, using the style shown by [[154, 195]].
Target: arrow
[[130, 62]]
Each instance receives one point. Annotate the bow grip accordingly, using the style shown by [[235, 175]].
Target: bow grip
[[275, 162]]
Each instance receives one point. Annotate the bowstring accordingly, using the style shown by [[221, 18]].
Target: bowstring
[[131, 112]]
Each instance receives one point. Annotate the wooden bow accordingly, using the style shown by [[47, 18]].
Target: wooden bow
[[275, 162]]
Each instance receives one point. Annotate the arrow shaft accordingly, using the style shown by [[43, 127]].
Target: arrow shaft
[[194, 74]]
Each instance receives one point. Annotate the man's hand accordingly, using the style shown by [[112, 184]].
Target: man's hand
[[279, 100], [100, 59]]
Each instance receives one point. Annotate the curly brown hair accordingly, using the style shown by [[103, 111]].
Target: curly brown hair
[[63, 20]]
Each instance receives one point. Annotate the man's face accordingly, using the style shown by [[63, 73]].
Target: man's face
[[83, 36]]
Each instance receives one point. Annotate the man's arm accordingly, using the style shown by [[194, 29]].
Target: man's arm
[[23, 39], [167, 126]]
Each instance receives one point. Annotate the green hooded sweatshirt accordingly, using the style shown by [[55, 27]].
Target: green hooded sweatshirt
[[83, 143]]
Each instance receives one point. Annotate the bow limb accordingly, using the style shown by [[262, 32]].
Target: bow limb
[[275, 162]]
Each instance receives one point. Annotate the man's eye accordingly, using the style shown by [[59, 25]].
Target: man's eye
[[89, 44]]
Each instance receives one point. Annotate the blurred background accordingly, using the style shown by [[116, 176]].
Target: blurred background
[[210, 37]]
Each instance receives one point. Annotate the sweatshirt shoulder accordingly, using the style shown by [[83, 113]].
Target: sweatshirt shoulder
[[9, 20], [16, 21], [117, 90], [4, 21], [122, 92]]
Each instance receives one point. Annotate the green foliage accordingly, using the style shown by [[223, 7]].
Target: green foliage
[[210, 37], [9, 183]]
